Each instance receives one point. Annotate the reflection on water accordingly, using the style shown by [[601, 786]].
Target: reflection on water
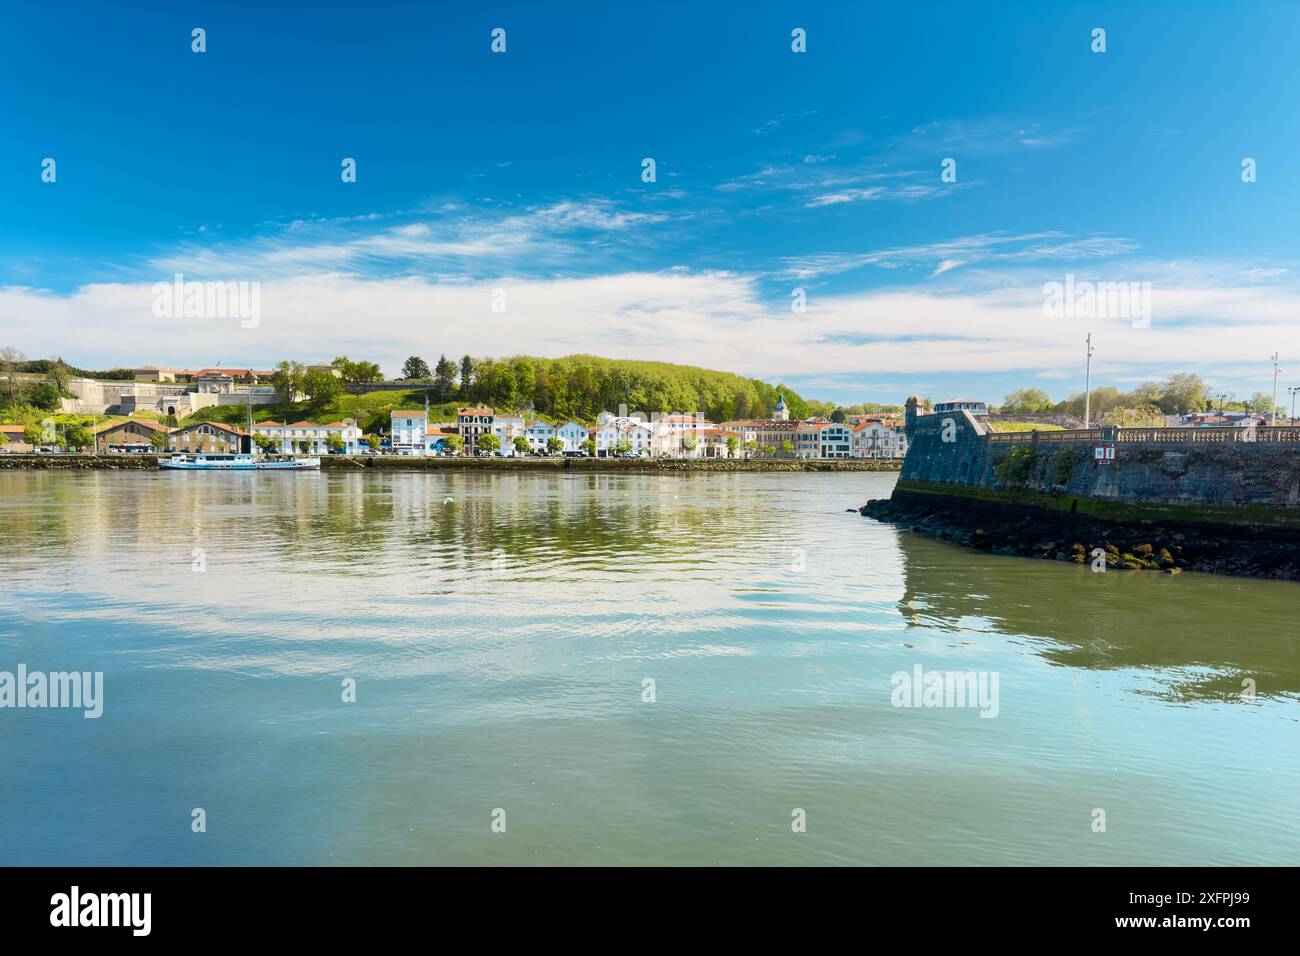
[[1197, 637], [501, 629]]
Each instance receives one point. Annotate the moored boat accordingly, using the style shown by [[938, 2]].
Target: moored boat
[[204, 462]]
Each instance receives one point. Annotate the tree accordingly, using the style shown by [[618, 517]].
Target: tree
[[1183, 393], [689, 441], [488, 443], [415, 367], [838, 416], [623, 445], [58, 376], [733, 442], [263, 443], [45, 396], [1026, 401], [1261, 403], [77, 436], [787, 447], [365, 373], [555, 444], [521, 445], [288, 379], [321, 386], [454, 444], [589, 446], [444, 378], [159, 440], [466, 376], [751, 446], [334, 443], [10, 358], [34, 434], [1141, 416], [356, 373]]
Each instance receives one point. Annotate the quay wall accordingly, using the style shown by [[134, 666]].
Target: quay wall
[[1220, 474], [399, 463]]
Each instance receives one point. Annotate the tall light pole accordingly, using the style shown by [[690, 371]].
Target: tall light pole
[[1293, 389], [1087, 386], [1276, 368]]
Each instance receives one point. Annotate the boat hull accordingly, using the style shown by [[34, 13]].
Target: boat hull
[[237, 463]]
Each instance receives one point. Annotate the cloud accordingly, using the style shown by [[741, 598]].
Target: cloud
[[460, 240], [1202, 320], [949, 254]]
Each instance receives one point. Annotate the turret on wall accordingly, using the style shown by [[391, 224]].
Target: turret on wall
[[913, 408]]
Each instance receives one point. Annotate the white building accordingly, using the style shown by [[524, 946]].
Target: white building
[[408, 434], [972, 405], [507, 428], [634, 436], [671, 431], [538, 433], [472, 423], [878, 440], [573, 434], [308, 437]]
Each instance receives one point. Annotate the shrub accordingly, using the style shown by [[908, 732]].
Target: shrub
[[1062, 467], [1018, 467]]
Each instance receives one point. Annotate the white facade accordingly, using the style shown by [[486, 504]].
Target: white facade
[[875, 440], [573, 434], [670, 432], [507, 428], [639, 438], [310, 438], [537, 433], [408, 434]]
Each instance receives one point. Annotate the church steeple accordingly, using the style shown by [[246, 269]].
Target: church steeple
[[780, 413]]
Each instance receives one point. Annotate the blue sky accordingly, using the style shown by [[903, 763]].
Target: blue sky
[[775, 170]]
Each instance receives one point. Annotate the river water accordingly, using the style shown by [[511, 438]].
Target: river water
[[615, 669]]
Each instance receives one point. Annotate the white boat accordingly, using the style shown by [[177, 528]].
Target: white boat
[[202, 462]]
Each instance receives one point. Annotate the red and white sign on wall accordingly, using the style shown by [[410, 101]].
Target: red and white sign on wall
[[1104, 454]]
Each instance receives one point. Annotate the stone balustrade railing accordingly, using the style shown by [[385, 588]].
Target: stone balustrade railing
[[1261, 434]]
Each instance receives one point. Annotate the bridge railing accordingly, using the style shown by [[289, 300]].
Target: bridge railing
[[1045, 437], [1226, 435]]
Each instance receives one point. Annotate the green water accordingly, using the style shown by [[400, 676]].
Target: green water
[[500, 642]]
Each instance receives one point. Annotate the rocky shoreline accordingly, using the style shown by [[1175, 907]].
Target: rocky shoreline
[[1155, 545], [80, 462]]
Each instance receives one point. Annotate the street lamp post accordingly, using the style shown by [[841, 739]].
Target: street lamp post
[[1293, 389], [1087, 386], [1276, 368]]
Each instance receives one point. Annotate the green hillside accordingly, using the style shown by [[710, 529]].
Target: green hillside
[[582, 386], [576, 386]]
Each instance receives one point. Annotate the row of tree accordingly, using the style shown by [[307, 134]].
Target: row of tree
[[582, 386], [1144, 406]]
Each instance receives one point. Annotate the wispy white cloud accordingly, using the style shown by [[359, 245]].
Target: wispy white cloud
[[458, 239], [952, 253]]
